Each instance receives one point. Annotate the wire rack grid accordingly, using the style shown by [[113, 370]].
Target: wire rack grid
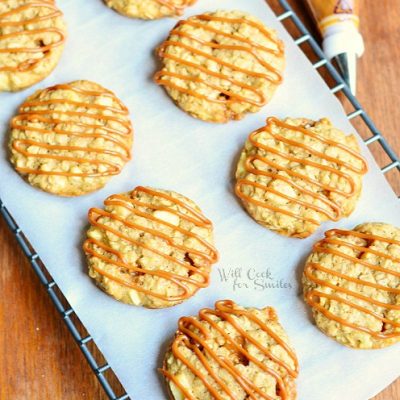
[[85, 342]]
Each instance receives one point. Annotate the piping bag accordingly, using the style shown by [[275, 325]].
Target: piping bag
[[338, 22]]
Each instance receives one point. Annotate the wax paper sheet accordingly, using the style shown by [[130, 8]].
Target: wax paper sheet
[[177, 152]]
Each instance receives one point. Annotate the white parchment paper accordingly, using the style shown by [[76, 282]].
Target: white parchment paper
[[175, 151]]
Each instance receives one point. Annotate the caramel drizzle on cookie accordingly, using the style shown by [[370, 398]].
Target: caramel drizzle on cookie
[[104, 122], [166, 78], [330, 245], [193, 335], [208, 254], [178, 10], [277, 171], [30, 63]]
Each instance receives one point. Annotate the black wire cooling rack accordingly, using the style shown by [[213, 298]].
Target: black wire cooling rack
[[85, 342]]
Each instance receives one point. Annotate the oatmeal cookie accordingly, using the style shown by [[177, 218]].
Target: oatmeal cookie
[[148, 247], [352, 283], [231, 352], [32, 35], [295, 174], [70, 139], [219, 66], [150, 9]]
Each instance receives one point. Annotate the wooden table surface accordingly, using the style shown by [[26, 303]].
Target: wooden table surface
[[38, 357]]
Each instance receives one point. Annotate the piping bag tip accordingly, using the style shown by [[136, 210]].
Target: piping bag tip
[[347, 63], [338, 22]]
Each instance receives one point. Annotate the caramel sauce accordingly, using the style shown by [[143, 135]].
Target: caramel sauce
[[333, 210], [28, 117], [313, 296], [30, 63], [193, 335], [208, 254], [178, 10], [246, 45]]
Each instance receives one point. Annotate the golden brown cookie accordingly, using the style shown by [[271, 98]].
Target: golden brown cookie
[[70, 139], [295, 174], [150, 247], [221, 65], [231, 352], [150, 9], [352, 282], [32, 35]]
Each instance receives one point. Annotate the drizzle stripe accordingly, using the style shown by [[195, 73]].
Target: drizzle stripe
[[209, 254], [26, 118], [197, 343], [334, 211], [312, 297], [247, 45], [30, 63], [178, 10]]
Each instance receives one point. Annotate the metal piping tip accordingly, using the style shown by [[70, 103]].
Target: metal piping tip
[[347, 63]]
